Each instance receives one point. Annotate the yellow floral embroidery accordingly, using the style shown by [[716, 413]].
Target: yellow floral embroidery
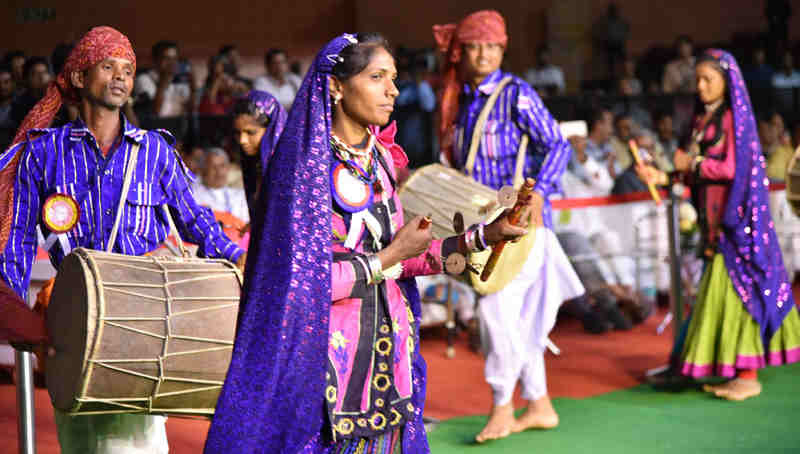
[[383, 367], [384, 329], [338, 340], [362, 422], [379, 402]]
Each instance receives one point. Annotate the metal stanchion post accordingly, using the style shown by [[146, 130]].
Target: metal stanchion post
[[675, 258], [25, 403], [656, 376]]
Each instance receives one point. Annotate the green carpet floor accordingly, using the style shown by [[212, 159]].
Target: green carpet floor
[[643, 421]]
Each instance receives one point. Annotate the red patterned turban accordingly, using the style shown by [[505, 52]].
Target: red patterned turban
[[485, 26], [95, 46]]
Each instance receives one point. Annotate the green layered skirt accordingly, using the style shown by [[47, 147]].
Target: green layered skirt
[[722, 336]]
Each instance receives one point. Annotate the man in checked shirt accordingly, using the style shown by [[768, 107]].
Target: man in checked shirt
[[85, 160], [517, 319]]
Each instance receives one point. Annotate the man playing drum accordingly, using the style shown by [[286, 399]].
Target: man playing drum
[[502, 114], [65, 184]]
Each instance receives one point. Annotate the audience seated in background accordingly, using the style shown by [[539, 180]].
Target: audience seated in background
[[628, 74], [621, 161], [787, 76], [220, 89], [775, 145], [15, 60], [413, 106], [546, 78], [665, 135], [194, 157], [632, 106], [214, 193], [279, 81], [587, 172], [231, 52], [167, 90], [759, 74], [679, 73], [36, 75], [7, 89]]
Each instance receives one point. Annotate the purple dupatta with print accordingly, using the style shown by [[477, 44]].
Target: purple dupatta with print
[[273, 397], [748, 241]]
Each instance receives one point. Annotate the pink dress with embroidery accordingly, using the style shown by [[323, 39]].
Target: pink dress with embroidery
[[713, 176], [371, 343]]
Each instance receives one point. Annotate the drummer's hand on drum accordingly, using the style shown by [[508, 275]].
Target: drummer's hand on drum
[[409, 242], [241, 261]]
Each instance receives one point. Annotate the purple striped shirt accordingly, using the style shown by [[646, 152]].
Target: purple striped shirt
[[518, 111], [68, 160]]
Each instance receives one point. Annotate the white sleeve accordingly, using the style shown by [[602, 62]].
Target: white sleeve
[[144, 85]]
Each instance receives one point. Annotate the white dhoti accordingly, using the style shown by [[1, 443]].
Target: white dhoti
[[516, 321], [112, 434]]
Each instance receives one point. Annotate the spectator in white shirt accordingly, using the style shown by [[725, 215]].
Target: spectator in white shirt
[[279, 81], [787, 77], [164, 91], [546, 78], [214, 193]]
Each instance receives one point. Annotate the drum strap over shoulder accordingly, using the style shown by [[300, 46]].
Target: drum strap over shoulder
[[480, 126], [126, 184]]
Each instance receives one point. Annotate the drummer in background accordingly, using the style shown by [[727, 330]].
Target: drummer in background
[[518, 318], [67, 182]]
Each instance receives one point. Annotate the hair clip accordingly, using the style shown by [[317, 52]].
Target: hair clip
[[334, 58], [351, 38]]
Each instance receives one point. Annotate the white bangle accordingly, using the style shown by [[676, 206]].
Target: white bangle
[[375, 269], [481, 238]]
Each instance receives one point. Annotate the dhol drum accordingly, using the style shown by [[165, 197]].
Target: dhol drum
[[793, 182], [141, 334], [440, 192]]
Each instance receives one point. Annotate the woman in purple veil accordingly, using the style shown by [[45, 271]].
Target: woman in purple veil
[[258, 121], [745, 317], [326, 357]]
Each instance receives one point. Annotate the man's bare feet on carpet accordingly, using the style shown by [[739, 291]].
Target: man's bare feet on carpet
[[501, 421], [737, 389], [540, 414]]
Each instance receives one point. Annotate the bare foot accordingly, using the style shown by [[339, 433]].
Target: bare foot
[[501, 420], [739, 389], [540, 414], [714, 388]]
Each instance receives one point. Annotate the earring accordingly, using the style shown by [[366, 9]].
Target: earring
[[336, 98]]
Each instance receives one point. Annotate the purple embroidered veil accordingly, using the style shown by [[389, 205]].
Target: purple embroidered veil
[[748, 241], [272, 400], [277, 121]]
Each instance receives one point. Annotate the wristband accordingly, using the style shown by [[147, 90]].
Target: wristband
[[481, 238]]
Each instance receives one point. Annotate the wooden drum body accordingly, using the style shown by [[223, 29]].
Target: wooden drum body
[[141, 334], [441, 192]]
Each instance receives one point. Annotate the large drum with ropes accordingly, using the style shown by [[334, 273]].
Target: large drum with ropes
[[141, 334], [793, 182], [441, 193]]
